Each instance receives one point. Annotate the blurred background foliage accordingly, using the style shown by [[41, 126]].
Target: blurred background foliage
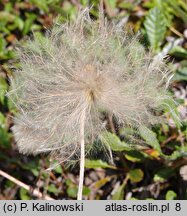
[[155, 170]]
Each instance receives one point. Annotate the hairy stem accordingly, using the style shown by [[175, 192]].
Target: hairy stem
[[82, 158]]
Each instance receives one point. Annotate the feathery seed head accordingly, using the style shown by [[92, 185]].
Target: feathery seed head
[[82, 69]]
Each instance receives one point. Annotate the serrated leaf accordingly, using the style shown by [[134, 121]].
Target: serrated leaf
[[167, 11], [112, 141], [136, 175], [150, 137], [155, 26], [92, 164]]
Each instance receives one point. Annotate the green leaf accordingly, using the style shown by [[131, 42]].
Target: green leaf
[[3, 89], [86, 191], [126, 5], [111, 3], [181, 74], [178, 51], [84, 2], [135, 156], [58, 169], [170, 195], [163, 174], [126, 131], [3, 44], [166, 10], [4, 138], [24, 194], [72, 191], [100, 183], [68, 10], [112, 141], [177, 10], [155, 26], [175, 155], [28, 23], [2, 120], [41, 4], [6, 16], [32, 166], [19, 23], [92, 164], [35, 171], [136, 175], [4, 52], [133, 198], [52, 188], [170, 106], [119, 194], [150, 137]]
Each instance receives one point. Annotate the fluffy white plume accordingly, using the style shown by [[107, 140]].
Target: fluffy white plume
[[79, 70]]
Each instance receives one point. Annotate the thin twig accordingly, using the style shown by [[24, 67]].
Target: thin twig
[[35, 192], [176, 32], [82, 159]]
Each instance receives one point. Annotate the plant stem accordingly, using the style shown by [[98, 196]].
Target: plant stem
[[82, 158], [35, 192]]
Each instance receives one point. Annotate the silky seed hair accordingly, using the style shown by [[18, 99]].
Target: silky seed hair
[[82, 68]]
